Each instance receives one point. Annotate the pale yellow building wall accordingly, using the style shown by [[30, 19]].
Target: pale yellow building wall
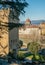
[[43, 31], [29, 34], [42, 26]]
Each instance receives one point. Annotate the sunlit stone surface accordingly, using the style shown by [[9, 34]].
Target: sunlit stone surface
[[8, 38]]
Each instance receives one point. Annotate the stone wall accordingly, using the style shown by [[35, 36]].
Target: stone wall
[[4, 34], [8, 38]]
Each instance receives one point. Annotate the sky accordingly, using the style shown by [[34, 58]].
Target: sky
[[34, 11]]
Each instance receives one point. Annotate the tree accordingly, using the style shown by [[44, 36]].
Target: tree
[[20, 43], [16, 8], [33, 47], [14, 5]]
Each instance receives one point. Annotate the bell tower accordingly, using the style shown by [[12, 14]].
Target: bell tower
[[27, 22]]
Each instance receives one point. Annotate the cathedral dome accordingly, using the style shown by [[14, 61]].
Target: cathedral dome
[[28, 22]]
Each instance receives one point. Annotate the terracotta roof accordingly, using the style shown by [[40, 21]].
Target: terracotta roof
[[28, 20], [32, 26]]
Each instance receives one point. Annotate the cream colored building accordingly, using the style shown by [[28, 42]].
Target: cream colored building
[[29, 33], [42, 27], [8, 38]]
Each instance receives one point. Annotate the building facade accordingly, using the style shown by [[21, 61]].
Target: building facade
[[30, 32]]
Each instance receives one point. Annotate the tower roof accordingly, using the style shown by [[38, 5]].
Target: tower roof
[[28, 20]]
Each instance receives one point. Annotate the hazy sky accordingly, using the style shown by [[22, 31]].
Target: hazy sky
[[35, 10]]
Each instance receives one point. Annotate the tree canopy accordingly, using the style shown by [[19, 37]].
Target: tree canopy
[[17, 5], [34, 47]]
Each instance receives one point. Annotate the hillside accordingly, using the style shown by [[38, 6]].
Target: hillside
[[35, 21]]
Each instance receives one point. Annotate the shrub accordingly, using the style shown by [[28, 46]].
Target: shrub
[[20, 55]]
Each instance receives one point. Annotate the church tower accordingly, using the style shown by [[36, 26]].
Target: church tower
[[27, 22]]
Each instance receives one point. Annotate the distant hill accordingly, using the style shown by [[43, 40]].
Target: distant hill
[[35, 21]]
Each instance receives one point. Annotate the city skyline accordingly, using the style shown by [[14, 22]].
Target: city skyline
[[34, 11]]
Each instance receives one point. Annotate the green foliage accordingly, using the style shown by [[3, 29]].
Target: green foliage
[[37, 57], [12, 54], [17, 5], [20, 55], [33, 47], [28, 54], [42, 54], [20, 43], [42, 58], [12, 25], [16, 8]]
